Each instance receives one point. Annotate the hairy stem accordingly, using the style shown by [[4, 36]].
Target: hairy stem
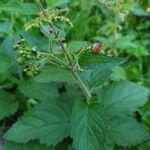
[[52, 27], [56, 59], [74, 73], [82, 85]]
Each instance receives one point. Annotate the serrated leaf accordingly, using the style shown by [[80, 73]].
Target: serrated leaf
[[28, 146], [5, 63], [22, 8], [90, 127], [97, 68], [95, 77], [40, 91], [8, 104], [126, 131], [89, 60], [63, 145], [120, 100], [55, 75], [94, 128], [54, 3], [123, 96], [49, 123]]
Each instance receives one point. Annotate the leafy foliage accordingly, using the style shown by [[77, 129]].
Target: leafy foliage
[[90, 127], [28, 146], [53, 3], [8, 104], [54, 75], [123, 97], [48, 123], [40, 91], [97, 68], [107, 121], [5, 63], [20, 8], [56, 89], [123, 130]]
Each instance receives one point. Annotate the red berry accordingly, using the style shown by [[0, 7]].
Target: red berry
[[97, 48]]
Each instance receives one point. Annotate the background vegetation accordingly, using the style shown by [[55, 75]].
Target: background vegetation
[[122, 26]]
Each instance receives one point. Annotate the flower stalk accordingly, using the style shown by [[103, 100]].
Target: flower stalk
[[68, 56]]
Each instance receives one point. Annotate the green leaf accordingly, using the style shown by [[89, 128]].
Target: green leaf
[[89, 60], [54, 3], [40, 91], [139, 11], [94, 128], [8, 104], [28, 146], [55, 75], [90, 127], [22, 8], [126, 131], [75, 46], [5, 75], [95, 78], [48, 122], [70, 94], [5, 27], [123, 96], [5, 63], [6, 48], [97, 68], [128, 45], [118, 73]]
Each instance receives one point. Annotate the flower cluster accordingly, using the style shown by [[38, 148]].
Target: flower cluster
[[48, 16], [31, 70], [27, 56], [25, 52]]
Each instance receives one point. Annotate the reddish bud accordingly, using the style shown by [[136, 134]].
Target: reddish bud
[[97, 48], [51, 30]]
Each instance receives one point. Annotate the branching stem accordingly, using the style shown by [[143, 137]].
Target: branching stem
[[69, 58], [52, 28]]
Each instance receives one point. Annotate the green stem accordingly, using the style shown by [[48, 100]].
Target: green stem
[[49, 45], [14, 79], [69, 58], [56, 59], [82, 85], [51, 26], [115, 25]]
